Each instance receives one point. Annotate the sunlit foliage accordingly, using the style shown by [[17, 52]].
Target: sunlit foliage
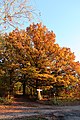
[[32, 57]]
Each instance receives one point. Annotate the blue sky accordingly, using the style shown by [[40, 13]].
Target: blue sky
[[63, 17]]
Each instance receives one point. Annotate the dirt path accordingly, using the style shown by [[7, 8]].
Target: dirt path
[[21, 109]]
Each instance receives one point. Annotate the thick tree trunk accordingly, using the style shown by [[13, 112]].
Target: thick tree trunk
[[10, 92], [36, 84], [36, 89], [24, 88]]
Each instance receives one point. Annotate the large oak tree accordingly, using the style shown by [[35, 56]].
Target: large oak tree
[[33, 57]]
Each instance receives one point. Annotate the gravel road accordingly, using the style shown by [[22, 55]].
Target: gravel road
[[36, 109]]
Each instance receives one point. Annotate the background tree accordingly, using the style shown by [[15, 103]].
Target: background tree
[[8, 65], [65, 70]]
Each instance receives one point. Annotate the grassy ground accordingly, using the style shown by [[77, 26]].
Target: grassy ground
[[31, 118]]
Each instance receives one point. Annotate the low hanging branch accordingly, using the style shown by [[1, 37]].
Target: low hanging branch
[[14, 13]]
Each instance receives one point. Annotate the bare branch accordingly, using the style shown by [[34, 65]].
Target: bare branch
[[13, 13]]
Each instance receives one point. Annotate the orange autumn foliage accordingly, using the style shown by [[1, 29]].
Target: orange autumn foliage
[[37, 57]]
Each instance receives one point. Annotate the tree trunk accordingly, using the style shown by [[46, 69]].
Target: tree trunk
[[36, 89], [24, 88], [10, 92]]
